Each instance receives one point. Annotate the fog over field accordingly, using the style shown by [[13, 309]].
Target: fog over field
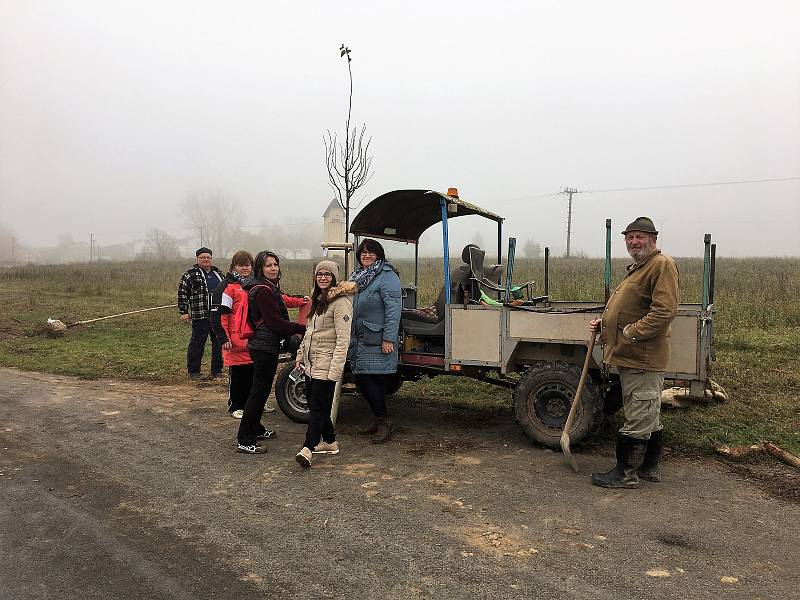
[[113, 113]]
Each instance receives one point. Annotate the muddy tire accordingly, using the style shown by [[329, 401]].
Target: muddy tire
[[291, 396], [542, 399]]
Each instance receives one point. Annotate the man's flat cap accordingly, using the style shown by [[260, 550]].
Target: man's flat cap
[[641, 224]]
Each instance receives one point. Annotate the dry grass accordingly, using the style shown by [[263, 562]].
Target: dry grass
[[757, 333]]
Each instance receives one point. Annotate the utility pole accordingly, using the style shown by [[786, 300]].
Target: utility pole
[[13, 248], [91, 247], [201, 236], [569, 191]]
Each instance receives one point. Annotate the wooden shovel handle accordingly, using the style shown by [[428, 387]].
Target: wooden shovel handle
[[576, 401]]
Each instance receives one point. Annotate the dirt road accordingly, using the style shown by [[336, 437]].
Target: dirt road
[[119, 490]]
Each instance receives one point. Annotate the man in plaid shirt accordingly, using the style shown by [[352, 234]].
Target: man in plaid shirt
[[194, 305]]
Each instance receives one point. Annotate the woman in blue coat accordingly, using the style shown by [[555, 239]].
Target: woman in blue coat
[[373, 348]]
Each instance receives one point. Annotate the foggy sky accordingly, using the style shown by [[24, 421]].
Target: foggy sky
[[112, 112]]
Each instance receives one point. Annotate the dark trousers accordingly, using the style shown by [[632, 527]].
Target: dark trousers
[[241, 380], [264, 367], [320, 401], [201, 330], [371, 387]]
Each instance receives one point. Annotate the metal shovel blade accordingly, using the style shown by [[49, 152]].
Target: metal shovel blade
[[574, 408], [567, 453]]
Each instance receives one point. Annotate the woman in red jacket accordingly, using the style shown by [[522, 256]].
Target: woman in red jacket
[[228, 313]]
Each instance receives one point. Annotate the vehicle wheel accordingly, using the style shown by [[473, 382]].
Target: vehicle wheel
[[291, 395], [543, 397], [392, 383]]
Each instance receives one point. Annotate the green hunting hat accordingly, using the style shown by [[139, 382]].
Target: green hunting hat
[[641, 224]]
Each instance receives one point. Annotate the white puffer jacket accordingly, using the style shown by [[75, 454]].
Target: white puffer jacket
[[323, 350]]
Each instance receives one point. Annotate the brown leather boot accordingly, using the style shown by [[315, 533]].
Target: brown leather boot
[[384, 432], [369, 429]]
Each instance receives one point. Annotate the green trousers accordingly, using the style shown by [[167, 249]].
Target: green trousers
[[641, 402]]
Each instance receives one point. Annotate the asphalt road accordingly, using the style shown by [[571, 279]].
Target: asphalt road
[[117, 490]]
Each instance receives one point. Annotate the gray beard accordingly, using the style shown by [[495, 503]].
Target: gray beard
[[638, 255]]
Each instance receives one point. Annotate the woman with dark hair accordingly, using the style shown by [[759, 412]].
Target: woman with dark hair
[[376, 322], [271, 325], [274, 275], [322, 355], [228, 318]]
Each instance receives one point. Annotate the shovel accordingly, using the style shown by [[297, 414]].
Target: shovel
[[574, 408], [337, 392]]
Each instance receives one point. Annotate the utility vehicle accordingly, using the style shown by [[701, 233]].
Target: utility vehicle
[[486, 327]]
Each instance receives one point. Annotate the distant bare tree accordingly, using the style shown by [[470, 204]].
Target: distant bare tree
[[348, 164], [216, 217], [9, 245], [161, 245], [532, 249]]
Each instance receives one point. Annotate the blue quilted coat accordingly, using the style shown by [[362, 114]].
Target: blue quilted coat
[[376, 317]]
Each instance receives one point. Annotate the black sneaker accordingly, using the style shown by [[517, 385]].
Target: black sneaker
[[250, 449], [267, 435]]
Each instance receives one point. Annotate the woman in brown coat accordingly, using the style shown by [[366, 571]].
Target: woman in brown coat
[[322, 355]]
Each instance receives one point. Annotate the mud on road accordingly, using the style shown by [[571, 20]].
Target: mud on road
[[122, 490]]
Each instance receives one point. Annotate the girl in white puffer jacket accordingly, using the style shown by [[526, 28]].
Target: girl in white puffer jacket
[[322, 355]]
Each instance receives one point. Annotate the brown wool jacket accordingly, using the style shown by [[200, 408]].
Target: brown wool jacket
[[324, 348], [636, 322]]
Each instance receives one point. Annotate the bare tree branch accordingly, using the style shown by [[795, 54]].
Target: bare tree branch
[[216, 215], [161, 245], [349, 164]]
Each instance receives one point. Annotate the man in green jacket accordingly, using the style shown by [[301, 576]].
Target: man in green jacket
[[634, 332]]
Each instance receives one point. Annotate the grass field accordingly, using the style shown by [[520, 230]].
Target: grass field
[[757, 334]]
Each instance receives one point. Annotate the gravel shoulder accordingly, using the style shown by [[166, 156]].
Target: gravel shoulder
[[122, 490]]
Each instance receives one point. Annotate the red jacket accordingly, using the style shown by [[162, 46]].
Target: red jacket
[[231, 323], [293, 302]]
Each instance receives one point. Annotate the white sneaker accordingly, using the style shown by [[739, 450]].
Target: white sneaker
[[304, 457], [237, 414], [325, 448], [250, 449]]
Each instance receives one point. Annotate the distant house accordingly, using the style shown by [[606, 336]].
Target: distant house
[[333, 224]]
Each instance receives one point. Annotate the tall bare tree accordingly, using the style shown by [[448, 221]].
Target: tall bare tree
[[349, 164], [216, 217], [161, 245]]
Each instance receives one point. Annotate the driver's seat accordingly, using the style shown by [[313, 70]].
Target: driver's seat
[[429, 320]]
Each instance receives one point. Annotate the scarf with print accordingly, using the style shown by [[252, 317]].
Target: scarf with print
[[364, 276]]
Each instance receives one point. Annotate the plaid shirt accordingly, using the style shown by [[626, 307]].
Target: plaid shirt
[[193, 296]]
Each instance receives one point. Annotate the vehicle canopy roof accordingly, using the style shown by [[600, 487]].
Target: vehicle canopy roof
[[404, 215]]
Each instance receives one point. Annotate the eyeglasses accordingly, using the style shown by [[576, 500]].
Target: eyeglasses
[[325, 274], [368, 253]]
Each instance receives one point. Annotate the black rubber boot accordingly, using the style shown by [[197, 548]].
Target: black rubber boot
[[384, 431], [370, 428], [623, 475], [650, 471]]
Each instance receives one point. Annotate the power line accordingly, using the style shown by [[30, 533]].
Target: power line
[[657, 187], [518, 198], [689, 185]]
